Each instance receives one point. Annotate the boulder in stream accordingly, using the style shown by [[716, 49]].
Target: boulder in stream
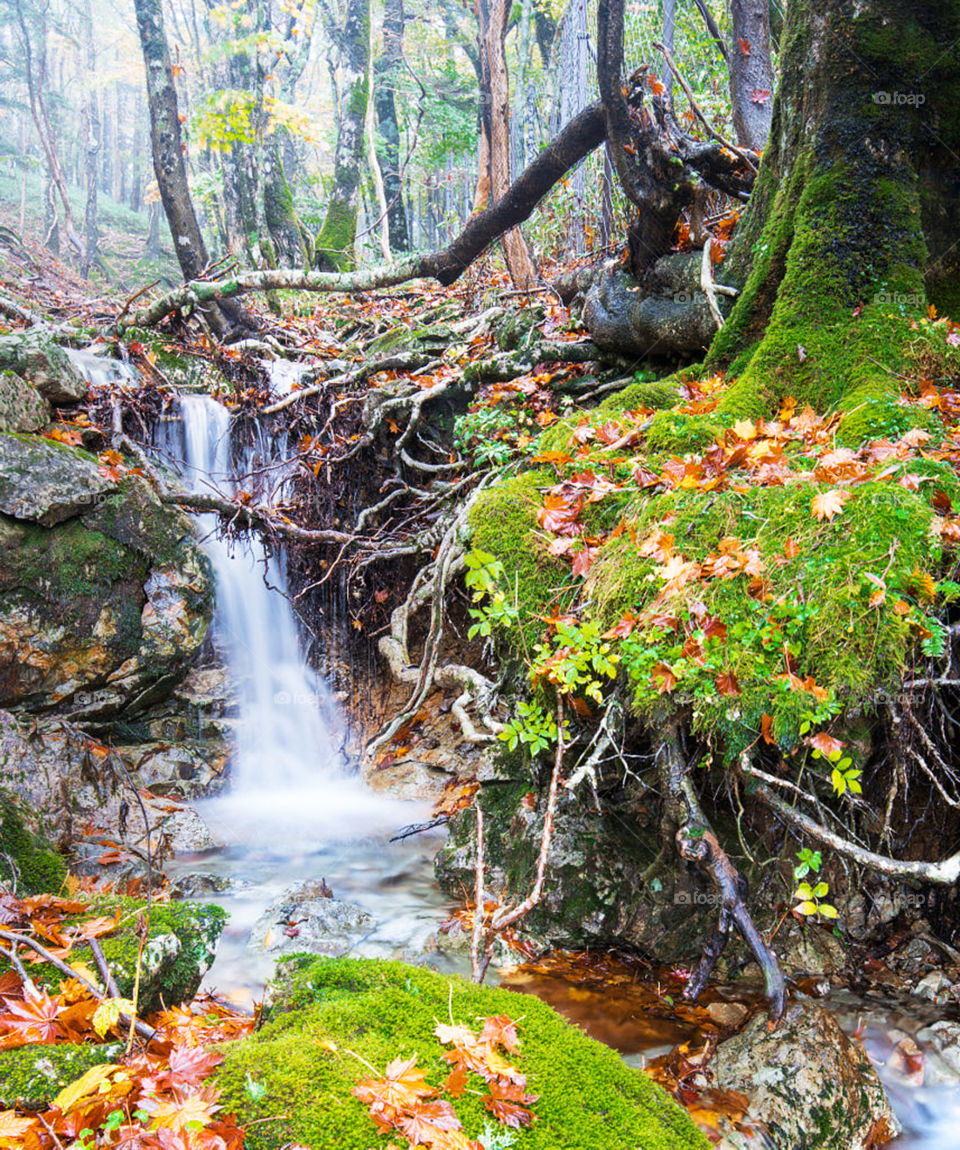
[[105, 599], [41, 361], [808, 1084], [306, 917]]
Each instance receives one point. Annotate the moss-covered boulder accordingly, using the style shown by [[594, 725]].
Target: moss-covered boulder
[[29, 864], [32, 1076], [180, 946], [38, 359], [104, 597], [330, 1013], [811, 1086]]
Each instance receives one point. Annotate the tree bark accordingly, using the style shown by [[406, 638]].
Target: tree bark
[[857, 202], [385, 75], [93, 143], [751, 72], [335, 243], [170, 167], [493, 31]]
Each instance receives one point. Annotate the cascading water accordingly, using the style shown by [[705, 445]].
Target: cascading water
[[293, 810]]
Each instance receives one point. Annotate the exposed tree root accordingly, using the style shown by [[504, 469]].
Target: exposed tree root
[[698, 843]]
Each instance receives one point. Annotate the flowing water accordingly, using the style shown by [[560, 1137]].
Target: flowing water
[[295, 811]]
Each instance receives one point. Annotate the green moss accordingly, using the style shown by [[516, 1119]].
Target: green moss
[[27, 861], [378, 1010], [178, 967], [656, 395], [875, 411], [334, 244], [180, 946], [503, 522], [32, 1076], [676, 432]]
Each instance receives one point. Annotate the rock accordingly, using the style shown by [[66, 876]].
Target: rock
[[105, 610], [32, 1076], [811, 1086], [42, 362], [179, 949], [727, 1014], [189, 769], [306, 918], [932, 986], [199, 884], [945, 1036], [22, 407], [588, 1099], [807, 949], [47, 482], [623, 319]]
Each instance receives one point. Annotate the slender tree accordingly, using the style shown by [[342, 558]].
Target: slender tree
[[751, 72], [335, 242], [225, 318], [385, 76]]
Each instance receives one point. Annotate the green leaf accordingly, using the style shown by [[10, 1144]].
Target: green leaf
[[828, 911], [807, 908]]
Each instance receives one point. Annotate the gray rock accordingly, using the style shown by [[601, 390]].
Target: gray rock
[[199, 884], [22, 407], [811, 1086], [932, 986], [39, 360], [622, 318], [47, 482], [304, 918]]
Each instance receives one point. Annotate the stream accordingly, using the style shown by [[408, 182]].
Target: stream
[[295, 811]]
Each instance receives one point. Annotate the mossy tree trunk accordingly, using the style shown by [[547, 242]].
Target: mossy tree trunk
[[280, 213], [335, 242], [855, 212]]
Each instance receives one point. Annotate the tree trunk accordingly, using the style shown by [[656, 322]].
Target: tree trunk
[[856, 209], [280, 213], [335, 243], [493, 31], [751, 72], [93, 141], [385, 74], [169, 164]]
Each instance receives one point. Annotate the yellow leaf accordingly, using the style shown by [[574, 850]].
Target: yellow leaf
[[107, 1014], [90, 1083], [828, 503]]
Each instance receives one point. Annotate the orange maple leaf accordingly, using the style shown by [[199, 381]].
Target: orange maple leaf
[[826, 504]]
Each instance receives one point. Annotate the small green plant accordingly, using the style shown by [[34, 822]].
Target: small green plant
[[490, 434], [484, 579], [810, 897], [532, 726]]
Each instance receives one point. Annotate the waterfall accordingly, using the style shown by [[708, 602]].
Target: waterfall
[[288, 777]]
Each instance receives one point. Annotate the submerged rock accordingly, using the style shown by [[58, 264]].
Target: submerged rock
[[587, 1098], [306, 917], [809, 1085]]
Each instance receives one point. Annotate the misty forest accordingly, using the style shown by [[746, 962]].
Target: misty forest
[[479, 574]]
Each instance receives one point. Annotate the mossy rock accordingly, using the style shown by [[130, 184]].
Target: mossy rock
[[32, 1076], [298, 1064], [179, 949], [28, 862], [503, 522], [178, 952]]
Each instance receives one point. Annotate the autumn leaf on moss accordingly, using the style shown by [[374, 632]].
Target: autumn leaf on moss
[[827, 504]]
